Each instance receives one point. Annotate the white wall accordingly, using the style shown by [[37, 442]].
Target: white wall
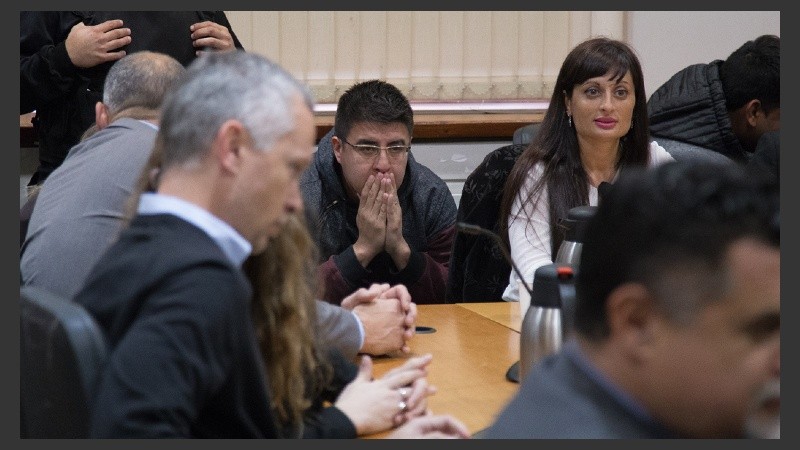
[[667, 41], [454, 161]]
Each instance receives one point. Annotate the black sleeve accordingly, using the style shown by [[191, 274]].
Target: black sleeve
[[174, 357], [46, 72], [327, 422], [344, 371]]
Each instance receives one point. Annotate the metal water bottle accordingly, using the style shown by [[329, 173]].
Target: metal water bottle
[[543, 329], [569, 252]]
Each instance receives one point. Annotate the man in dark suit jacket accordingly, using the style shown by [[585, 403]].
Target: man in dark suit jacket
[[235, 135], [677, 319]]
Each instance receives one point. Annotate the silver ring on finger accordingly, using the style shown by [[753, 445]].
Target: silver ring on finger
[[402, 406], [403, 393]]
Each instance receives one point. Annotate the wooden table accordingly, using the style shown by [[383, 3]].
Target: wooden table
[[504, 313], [471, 353]]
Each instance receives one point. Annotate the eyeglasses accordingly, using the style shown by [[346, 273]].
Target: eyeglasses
[[372, 151]]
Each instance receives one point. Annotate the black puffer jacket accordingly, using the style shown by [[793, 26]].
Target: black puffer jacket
[[429, 216], [478, 269], [690, 107]]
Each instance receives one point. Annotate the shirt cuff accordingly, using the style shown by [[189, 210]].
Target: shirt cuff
[[361, 332]]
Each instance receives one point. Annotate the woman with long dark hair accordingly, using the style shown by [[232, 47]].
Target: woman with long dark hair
[[595, 126]]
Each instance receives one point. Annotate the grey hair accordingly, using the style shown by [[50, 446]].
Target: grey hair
[[141, 79], [221, 86]]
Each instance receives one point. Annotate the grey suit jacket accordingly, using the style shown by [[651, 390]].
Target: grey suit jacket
[[79, 210], [339, 327], [79, 214], [560, 399]]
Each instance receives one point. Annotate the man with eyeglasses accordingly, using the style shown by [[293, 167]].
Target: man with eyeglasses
[[378, 214]]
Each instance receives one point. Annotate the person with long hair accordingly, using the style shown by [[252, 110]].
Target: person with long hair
[[303, 374], [596, 125]]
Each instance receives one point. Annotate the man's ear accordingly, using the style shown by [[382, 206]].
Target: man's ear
[[751, 111], [101, 118], [337, 148], [631, 315], [230, 144]]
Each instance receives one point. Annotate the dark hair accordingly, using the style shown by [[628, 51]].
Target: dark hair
[[753, 71], [556, 144], [669, 228], [372, 101]]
